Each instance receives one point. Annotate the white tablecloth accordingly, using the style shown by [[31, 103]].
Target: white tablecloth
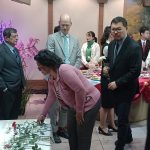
[[5, 124]]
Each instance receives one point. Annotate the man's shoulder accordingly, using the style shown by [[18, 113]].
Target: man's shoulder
[[54, 35]]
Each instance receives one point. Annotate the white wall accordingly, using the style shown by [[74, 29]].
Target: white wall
[[84, 15], [112, 8], [30, 21]]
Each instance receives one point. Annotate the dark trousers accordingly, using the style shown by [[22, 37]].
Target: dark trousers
[[10, 103], [80, 135], [124, 130], [147, 144]]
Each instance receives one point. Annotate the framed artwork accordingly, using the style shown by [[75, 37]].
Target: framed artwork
[[137, 15]]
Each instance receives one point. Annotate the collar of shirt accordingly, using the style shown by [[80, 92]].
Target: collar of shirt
[[9, 46], [143, 42], [62, 35]]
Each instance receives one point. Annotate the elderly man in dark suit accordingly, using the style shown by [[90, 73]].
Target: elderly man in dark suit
[[144, 41], [12, 78], [124, 58]]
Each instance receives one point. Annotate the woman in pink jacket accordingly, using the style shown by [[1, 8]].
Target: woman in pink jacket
[[72, 89]]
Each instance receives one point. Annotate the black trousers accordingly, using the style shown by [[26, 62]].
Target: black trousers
[[147, 144], [10, 103], [124, 130], [80, 135]]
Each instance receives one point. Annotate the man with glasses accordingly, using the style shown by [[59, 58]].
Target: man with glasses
[[12, 78], [124, 57], [66, 47]]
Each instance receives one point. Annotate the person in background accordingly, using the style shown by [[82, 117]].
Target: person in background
[[68, 49], [12, 80], [90, 51], [73, 90], [124, 59], [56, 29], [105, 40], [107, 106], [144, 43]]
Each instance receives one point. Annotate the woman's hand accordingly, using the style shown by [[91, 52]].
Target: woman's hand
[[80, 118], [41, 119]]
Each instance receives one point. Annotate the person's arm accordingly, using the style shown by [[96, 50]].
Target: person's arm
[[97, 54], [134, 69], [83, 54], [3, 86], [75, 85], [105, 51], [78, 56], [49, 100], [50, 45]]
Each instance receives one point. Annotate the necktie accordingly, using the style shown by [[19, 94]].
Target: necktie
[[116, 51], [66, 50], [143, 46], [16, 55]]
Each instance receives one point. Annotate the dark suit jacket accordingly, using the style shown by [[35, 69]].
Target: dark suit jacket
[[126, 69], [11, 72], [147, 48]]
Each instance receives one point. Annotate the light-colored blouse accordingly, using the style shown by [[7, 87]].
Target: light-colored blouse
[[95, 53]]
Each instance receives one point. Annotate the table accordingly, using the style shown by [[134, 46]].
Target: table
[[44, 132], [139, 106]]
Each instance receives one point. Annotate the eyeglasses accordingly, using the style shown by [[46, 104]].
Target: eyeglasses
[[116, 30]]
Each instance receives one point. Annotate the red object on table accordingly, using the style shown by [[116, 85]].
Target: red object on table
[[144, 84]]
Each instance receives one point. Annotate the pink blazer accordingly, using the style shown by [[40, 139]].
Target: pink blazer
[[71, 88]]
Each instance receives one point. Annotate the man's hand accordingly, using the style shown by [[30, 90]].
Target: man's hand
[[80, 118], [112, 85]]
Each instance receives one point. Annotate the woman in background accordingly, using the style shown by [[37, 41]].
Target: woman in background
[[67, 84], [105, 40], [90, 51], [107, 106]]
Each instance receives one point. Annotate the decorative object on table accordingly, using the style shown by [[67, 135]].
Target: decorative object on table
[[30, 136]]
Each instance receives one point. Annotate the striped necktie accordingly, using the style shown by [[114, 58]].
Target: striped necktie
[[116, 50]]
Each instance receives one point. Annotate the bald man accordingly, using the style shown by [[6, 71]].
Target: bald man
[[66, 47]]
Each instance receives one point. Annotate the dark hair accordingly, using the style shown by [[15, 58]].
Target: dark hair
[[119, 19], [7, 32], [143, 29], [56, 29], [93, 35], [48, 59], [105, 35]]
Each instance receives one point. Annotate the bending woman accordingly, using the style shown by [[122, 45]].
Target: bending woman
[[72, 89]]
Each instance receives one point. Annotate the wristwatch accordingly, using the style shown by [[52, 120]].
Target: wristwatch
[[5, 90]]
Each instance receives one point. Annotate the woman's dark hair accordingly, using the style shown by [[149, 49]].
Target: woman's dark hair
[[93, 35], [105, 35], [48, 59]]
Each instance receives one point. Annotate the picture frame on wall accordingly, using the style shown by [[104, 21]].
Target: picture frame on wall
[[137, 15]]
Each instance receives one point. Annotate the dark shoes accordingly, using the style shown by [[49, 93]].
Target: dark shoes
[[101, 131], [63, 133], [56, 138], [112, 129]]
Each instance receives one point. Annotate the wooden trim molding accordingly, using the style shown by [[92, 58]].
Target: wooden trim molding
[[125, 8], [100, 22], [50, 16], [37, 84]]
